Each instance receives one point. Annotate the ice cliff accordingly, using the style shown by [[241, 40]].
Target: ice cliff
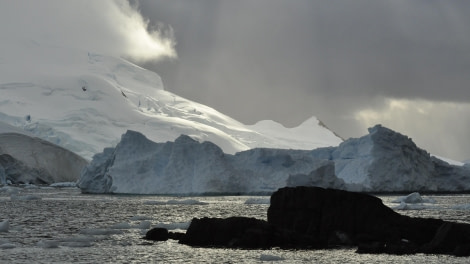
[[185, 166], [381, 161], [387, 161], [25, 159]]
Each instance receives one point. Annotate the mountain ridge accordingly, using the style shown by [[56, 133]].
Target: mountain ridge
[[85, 101]]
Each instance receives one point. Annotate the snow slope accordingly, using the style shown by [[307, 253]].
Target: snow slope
[[382, 161], [85, 101]]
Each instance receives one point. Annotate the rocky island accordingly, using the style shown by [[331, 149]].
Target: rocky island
[[318, 218]]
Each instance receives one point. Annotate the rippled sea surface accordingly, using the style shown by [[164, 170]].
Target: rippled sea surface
[[64, 226]]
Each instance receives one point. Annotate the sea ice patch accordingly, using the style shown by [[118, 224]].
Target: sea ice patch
[[100, 231], [258, 201], [5, 225], [414, 198], [173, 226], [175, 202], [268, 257]]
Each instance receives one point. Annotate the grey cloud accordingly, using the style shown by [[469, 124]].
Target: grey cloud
[[111, 27], [288, 60]]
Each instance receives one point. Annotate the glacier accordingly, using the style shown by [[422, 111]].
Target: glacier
[[382, 161], [84, 101]]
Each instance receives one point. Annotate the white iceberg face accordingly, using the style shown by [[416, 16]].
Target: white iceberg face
[[383, 161], [387, 161], [186, 166]]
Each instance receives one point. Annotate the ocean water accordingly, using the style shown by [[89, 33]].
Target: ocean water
[[48, 225]]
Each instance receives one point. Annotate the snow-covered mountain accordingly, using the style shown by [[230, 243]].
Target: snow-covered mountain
[[382, 161], [84, 102]]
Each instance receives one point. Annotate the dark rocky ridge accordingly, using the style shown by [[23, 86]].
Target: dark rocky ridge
[[26, 159], [338, 218], [313, 217], [16, 172]]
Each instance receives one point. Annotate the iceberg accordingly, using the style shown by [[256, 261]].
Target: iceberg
[[413, 198], [413, 201], [4, 225], [185, 166], [30, 160], [412, 206], [382, 161], [387, 161]]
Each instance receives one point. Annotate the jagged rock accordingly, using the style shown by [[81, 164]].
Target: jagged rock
[[449, 238], [175, 235], [313, 217], [322, 213], [157, 234], [242, 232], [365, 221], [17, 172]]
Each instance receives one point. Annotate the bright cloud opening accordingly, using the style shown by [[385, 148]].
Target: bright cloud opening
[[110, 27]]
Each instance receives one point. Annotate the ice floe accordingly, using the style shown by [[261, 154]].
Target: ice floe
[[4, 225], [173, 226], [267, 257], [414, 198], [175, 202], [258, 201]]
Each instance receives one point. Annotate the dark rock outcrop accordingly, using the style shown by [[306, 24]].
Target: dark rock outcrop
[[336, 217], [157, 234], [25, 159], [162, 234], [242, 232], [313, 217], [17, 172]]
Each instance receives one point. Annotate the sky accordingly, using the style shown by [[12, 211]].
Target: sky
[[353, 64]]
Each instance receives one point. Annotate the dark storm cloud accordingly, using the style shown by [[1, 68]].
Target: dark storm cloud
[[288, 60]]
